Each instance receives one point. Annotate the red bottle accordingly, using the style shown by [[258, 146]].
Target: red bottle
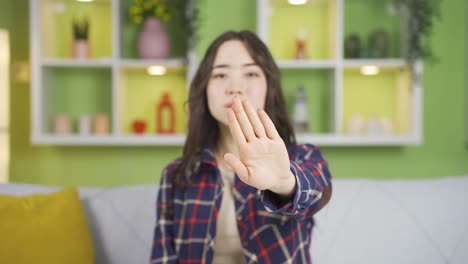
[[165, 105]]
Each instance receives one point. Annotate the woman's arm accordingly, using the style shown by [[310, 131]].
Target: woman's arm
[[163, 242], [313, 184], [299, 175]]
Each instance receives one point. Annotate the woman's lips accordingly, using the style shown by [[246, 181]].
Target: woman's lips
[[228, 105]]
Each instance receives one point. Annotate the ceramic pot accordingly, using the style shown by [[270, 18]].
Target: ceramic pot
[[81, 49], [153, 40]]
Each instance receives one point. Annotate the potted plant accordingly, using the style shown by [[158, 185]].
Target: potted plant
[[80, 46], [153, 16], [419, 15]]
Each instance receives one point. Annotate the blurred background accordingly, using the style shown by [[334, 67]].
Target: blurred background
[[85, 102]]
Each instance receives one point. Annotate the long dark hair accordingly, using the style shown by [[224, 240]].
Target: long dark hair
[[203, 130]]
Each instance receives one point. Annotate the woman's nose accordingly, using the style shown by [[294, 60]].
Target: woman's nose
[[235, 86]]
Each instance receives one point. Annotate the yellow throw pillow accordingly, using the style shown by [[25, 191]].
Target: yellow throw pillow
[[44, 228]]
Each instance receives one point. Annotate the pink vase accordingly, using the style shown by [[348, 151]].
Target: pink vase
[[153, 41]]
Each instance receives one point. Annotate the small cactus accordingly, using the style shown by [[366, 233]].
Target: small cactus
[[80, 29]]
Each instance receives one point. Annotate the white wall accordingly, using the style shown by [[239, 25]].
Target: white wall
[[4, 104]]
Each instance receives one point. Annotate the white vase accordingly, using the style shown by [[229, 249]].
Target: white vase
[[85, 125], [355, 124]]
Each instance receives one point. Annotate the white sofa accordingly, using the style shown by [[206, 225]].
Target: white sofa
[[367, 221]]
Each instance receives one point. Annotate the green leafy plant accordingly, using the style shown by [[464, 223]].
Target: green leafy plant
[[139, 10], [420, 15], [81, 28]]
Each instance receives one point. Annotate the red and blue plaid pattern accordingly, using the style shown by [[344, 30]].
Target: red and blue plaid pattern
[[270, 231]]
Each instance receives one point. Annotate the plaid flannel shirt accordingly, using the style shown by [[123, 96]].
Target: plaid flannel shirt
[[270, 231]]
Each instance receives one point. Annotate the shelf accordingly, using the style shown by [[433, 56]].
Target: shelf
[[92, 63], [346, 140], [321, 140], [306, 64], [383, 63], [141, 63], [113, 140], [130, 63]]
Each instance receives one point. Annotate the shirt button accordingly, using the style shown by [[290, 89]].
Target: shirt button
[[244, 244]]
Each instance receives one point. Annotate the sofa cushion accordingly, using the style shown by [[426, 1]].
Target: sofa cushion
[[122, 221], [44, 228], [366, 221], [121, 218], [394, 221]]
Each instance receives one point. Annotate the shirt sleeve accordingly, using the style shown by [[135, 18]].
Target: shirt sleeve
[[312, 177], [163, 250]]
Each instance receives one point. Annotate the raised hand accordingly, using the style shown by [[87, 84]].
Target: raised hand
[[263, 160]]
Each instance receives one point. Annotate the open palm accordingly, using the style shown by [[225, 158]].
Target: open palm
[[263, 160]]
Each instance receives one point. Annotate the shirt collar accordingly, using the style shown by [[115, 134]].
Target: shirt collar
[[207, 156]]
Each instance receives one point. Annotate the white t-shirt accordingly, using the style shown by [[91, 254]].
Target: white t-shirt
[[227, 247]]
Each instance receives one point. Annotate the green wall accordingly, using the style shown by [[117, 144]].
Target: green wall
[[443, 152]]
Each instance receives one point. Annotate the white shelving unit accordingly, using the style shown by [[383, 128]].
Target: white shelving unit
[[339, 66], [47, 65]]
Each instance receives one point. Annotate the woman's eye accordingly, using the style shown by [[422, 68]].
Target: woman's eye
[[252, 74], [219, 76]]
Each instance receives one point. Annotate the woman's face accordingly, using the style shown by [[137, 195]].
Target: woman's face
[[234, 74]]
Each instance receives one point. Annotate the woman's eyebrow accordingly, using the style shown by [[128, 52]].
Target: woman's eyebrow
[[250, 64], [221, 66], [228, 66]]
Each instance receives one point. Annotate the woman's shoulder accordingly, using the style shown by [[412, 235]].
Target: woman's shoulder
[[171, 166], [306, 147], [299, 152], [168, 171]]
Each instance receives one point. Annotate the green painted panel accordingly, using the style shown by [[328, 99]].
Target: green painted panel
[[7, 14], [218, 16], [365, 16], [318, 85], [315, 19], [57, 19], [90, 166], [143, 92]]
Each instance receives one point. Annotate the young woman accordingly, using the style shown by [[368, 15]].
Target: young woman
[[243, 191]]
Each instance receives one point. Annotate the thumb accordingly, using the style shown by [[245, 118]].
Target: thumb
[[236, 164]]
